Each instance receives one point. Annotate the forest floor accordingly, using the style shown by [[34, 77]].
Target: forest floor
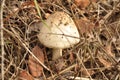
[[95, 57]]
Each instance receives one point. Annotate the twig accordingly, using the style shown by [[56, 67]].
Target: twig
[[79, 78], [81, 63], [67, 69], [2, 39], [15, 35]]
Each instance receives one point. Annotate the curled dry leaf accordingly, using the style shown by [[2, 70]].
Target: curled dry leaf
[[84, 26], [82, 4], [35, 68], [104, 62], [24, 75]]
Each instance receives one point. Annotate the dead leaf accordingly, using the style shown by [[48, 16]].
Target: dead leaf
[[27, 4], [71, 57], [82, 4], [35, 68], [83, 71], [24, 75], [104, 62], [84, 26], [24, 5], [60, 64], [108, 50], [88, 72], [47, 15]]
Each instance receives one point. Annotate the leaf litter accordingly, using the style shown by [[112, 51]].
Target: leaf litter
[[96, 56]]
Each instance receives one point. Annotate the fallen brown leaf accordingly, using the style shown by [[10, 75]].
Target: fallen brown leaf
[[24, 75], [84, 26], [88, 72], [35, 68], [104, 62], [60, 65], [71, 57], [27, 4], [108, 50], [82, 4], [47, 15]]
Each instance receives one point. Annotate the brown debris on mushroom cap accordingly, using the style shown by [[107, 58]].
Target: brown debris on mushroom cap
[[58, 31]]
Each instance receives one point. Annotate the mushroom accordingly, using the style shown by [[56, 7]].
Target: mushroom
[[58, 32]]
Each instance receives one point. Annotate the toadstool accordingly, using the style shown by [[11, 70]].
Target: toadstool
[[58, 32]]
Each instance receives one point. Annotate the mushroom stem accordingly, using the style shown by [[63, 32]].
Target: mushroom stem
[[56, 54]]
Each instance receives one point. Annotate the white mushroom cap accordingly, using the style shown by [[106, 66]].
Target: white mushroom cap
[[58, 31]]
